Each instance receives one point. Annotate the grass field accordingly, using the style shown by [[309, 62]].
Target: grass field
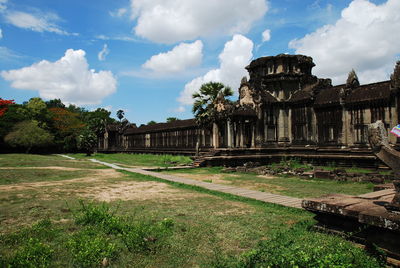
[[139, 160], [81, 214], [291, 186]]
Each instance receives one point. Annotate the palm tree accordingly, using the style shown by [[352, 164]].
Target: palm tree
[[203, 107]]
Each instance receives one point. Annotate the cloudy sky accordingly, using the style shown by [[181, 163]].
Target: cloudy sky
[[147, 57]]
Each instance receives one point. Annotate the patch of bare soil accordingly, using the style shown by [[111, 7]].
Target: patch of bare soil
[[215, 178], [132, 190], [55, 168], [219, 179], [97, 187], [270, 177], [270, 188], [97, 175], [236, 208]]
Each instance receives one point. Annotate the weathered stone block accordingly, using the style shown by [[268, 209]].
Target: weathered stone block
[[323, 174]]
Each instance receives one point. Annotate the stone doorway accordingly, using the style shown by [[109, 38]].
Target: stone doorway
[[248, 134]]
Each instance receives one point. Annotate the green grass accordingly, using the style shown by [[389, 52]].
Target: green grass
[[36, 160], [189, 227], [291, 186], [148, 160]]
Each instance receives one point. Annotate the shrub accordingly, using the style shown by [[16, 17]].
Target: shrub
[[33, 254], [146, 236], [139, 236], [299, 247], [28, 135], [42, 230], [99, 215], [89, 247]]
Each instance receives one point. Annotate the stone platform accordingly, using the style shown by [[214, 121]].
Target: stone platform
[[364, 218]]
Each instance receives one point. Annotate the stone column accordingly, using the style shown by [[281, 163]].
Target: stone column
[[289, 126], [314, 134], [203, 137], [283, 130], [215, 138], [229, 131], [253, 136], [347, 137]]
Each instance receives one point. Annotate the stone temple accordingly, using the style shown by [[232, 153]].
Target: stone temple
[[283, 110]]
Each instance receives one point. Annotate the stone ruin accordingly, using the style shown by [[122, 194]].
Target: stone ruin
[[310, 172], [372, 218]]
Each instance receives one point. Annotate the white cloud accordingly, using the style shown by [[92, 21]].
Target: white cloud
[[117, 38], [45, 22], [68, 78], [180, 109], [103, 53], [3, 5], [364, 38], [1, 33], [178, 59], [7, 54], [266, 35], [119, 12], [233, 59], [171, 21]]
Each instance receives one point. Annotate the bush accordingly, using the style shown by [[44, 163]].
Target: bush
[[42, 230], [33, 254], [89, 248], [299, 247], [140, 236], [146, 236], [29, 135], [99, 215]]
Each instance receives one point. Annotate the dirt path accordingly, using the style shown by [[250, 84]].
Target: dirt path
[[50, 167], [96, 186], [96, 176]]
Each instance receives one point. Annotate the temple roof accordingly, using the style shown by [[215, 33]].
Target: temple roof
[[300, 96], [329, 96], [178, 124], [368, 93], [263, 60]]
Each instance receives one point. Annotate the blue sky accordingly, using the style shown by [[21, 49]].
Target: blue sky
[[148, 56]]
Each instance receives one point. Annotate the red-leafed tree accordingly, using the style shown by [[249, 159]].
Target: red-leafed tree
[[4, 104]]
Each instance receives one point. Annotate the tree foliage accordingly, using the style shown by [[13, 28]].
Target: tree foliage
[[56, 103], [172, 119], [87, 141], [65, 124], [4, 105], [152, 122], [28, 135], [204, 100]]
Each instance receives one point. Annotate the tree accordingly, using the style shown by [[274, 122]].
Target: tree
[[152, 122], [87, 141], [36, 106], [28, 135], [66, 126], [203, 107], [172, 119], [4, 105], [120, 114], [56, 103], [65, 122]]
